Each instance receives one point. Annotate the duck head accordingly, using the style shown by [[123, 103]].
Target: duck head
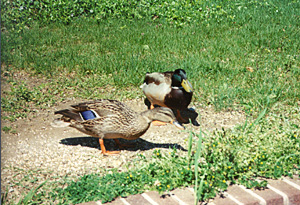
[[179, 79]]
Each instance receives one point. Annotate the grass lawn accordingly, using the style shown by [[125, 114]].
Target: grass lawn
[[245, 56]]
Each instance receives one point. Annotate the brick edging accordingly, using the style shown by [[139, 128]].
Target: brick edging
[[285, 191]]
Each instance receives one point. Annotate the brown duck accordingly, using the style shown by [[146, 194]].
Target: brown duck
[[111, 119]]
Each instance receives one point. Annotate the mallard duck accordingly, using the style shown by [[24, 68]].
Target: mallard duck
[[168, 89], [111, 119]]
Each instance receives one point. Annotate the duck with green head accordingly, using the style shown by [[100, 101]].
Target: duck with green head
[[168, 89]]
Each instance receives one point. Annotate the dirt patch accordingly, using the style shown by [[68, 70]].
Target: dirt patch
[[37, 145]]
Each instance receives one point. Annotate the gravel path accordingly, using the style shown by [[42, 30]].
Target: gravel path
[[50, 152]]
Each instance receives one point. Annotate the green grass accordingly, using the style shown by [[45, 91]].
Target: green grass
[[119, 53], [241, 55], [269, 149]]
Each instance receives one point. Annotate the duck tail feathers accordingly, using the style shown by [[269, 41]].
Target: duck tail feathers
[[59, 123], [69, 115]]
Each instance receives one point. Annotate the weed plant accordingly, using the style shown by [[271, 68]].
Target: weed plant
[[241, 155], [20, 14]]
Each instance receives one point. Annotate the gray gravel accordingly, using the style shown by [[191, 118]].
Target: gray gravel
[[57, 152]]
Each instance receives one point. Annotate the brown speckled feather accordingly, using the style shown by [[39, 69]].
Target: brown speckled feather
[[114, 120], [105, 107]]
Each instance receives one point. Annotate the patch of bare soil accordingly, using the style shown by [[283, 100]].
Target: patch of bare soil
[[50, 151]]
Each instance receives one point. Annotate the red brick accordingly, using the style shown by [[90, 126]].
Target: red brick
[[242, 196], [137, 200], [161, 199], [220, 200], [295, 180], [269, 196], [184, 195], [292, 193], [187, 196], [117, 201]]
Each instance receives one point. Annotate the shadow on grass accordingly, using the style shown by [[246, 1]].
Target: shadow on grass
[[139, 144]]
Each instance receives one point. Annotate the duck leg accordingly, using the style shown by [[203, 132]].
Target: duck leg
[[155, 122], [106, 152]]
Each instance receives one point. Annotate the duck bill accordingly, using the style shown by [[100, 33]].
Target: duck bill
[[187, 86], [177, 124]]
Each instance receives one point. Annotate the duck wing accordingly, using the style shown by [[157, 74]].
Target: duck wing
[[158, 78], [105, 108]]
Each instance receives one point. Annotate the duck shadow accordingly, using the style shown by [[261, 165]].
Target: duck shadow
[[138, 144]]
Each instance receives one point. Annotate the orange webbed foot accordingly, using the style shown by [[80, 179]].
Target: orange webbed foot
[[104, 151], [158, 123], [110, 153]]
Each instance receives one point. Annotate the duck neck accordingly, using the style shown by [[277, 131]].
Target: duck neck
[[148, 116]]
